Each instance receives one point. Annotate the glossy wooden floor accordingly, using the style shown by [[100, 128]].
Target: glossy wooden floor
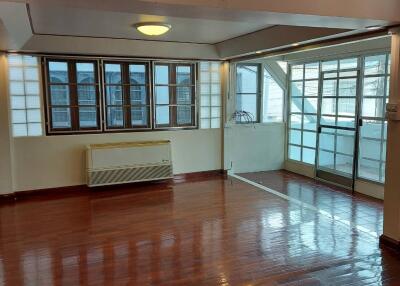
[[213, 231]]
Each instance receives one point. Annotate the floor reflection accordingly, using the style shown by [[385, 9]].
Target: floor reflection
[[211, 232]]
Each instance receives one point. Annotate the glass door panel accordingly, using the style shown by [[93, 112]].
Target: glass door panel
[[337, 127]]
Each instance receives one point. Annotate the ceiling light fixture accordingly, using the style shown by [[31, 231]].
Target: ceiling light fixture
[[152, 28], [374, 27], [295, 44], [258, 52]]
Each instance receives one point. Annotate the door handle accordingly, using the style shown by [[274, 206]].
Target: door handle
[[360, 122], [319, 129]]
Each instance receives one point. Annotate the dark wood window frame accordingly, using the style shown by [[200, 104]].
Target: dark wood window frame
[[127, 96], [172, 90], [73, 105]]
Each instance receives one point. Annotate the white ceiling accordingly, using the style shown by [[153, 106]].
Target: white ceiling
[[82, 22]]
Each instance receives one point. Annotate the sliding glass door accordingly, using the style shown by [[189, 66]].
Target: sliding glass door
[[336, 119], [337, 128]]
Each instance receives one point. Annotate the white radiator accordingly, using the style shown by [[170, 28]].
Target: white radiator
[[127, 162]]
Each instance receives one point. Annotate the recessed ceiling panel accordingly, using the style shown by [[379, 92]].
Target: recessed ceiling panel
[[93, 23]]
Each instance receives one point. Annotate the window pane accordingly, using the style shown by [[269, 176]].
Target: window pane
[[368, 169], [215, 122], [34, 129], [328, 106], [33, 115], [311, 88], [345, 142], [59, 94], [273, 97], [344, 163], [374, 86], [183, 75], [294, 153], [311, 105], [296, 88], [375, 65], [327, 140], [58, 72], [295, 121], [16, 73], [20, 130], [31, 74], [347, 106], [162, 94], [296, 104], [138, 95], [373, 107], [329, 65], [18, 116], [18, 102], [161, 74], [309, 156], [312, 70], [348, 87], [329, 88], [297, 72], [86, 95], [184, 115], [295, 137], [112, 73], [30, 60], [85, 72], [205, 112], [216, 100], [205, 100], [32, 88], [61, 117], [247, 79], [114, 95], [247, 103], [348, 63], [162, 115], [309, 139], [215, 112], [87, 117], [14, 60], [115, 117], [310, 122], [183, 95], [17, 88], [137, 74], [216, 88], [139, 116], [371, 129]]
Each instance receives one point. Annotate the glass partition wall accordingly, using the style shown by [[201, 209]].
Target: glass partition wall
[[337, 117]]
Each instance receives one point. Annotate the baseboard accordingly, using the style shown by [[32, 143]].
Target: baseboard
[[84, 189], [389, 243]]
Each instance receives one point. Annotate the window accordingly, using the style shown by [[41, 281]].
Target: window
[[72, 96], [372, 142], [273, 99], [127, 99], [248, 90], [303, 89], [210, 99], [26, 116], [174, 95]]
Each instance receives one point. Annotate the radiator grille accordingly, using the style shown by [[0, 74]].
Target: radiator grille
[[129, 174]]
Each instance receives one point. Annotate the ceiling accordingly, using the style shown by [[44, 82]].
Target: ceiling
[[200, 28], [53, 20]]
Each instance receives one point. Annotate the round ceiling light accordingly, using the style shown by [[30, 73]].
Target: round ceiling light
[[152, 28]]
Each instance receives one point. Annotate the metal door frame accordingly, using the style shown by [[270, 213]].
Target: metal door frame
[[356, 129]]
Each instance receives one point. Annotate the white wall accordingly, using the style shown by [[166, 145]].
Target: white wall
[[56, 161], [252, 148]]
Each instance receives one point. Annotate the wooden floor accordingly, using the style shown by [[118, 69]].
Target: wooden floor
[[212, 231]]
